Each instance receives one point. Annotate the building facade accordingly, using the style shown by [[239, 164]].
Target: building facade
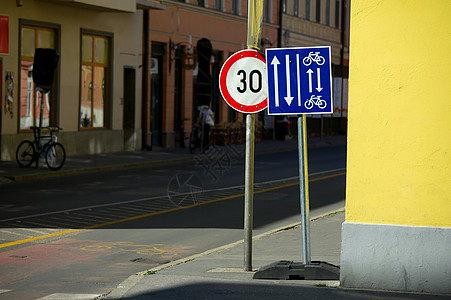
[[175, 33], [307, 23], [96, 93]]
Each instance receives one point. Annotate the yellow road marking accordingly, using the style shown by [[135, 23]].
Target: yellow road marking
[[158, 212]]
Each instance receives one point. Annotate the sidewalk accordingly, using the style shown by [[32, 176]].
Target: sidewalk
[[218, 273], [11, 172]]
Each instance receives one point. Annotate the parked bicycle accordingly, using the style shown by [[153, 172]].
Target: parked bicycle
[[42, 147]]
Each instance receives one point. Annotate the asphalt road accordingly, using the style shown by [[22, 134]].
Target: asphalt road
[[86, 234], [70, 192]]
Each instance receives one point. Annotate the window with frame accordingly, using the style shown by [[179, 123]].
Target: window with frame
[[267, 11], [327, 12], [236, 7], [296, 8], [218, 5], [307, 9], [94, 81], [337, 13], [318, 11], [32, 37]]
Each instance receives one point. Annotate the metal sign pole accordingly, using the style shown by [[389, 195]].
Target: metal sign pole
[[254, 31], [249, 191], [303, 188], [41, 115]]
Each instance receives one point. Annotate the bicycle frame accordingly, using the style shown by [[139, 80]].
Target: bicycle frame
[[38, 138], [313, 55]]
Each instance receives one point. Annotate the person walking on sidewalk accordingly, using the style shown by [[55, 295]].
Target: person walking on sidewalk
[[205, 121]]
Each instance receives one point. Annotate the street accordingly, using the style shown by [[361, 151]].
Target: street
[[87, 233]]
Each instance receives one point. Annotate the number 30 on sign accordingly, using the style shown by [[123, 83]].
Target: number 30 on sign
[[243, 81]]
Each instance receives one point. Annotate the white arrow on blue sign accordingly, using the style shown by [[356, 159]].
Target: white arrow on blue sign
[[299, 80]]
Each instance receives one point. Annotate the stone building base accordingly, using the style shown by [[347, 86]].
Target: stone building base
[[394, 257]]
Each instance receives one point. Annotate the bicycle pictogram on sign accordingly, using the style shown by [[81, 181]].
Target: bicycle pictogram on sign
[[313, 56], [315, 100], [299, 80]]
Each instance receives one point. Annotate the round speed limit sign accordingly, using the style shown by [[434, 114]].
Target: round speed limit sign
[[243, 82]]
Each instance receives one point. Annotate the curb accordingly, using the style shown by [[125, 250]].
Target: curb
[[21, 178], [134, 279]]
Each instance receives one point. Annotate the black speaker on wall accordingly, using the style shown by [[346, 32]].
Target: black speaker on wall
[[44, 65]]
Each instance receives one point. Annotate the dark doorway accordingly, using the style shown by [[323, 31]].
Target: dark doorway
[[156, 107], [129, 108]]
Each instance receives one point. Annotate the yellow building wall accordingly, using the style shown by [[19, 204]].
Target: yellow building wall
[[399, 138]]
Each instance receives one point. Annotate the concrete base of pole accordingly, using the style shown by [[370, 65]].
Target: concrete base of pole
[[289, 270]]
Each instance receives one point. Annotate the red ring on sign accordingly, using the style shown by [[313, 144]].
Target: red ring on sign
[[223, 86]]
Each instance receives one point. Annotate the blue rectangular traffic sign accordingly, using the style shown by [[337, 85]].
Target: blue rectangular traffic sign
[[299, 81]]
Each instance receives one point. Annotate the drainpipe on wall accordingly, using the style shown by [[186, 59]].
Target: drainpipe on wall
[[146, 140], [279, 30], [343, 42], [343, 34]]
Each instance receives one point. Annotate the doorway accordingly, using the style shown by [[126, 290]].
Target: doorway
[[129, 109]]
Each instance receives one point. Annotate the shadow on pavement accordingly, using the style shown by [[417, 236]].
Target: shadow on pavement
[[269, 291]]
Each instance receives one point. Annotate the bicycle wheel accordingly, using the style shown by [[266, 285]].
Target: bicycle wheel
[[309, 104], [55, 156], [25, 153], [322, 104], [307, 61]]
